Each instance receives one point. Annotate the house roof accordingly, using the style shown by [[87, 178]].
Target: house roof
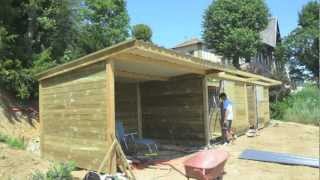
[[188, 43], [149, 61], [271, 34]]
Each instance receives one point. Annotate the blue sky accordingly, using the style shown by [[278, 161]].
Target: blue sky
[[173, 21]]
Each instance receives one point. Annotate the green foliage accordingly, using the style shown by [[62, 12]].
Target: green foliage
[[303, 42], [60, 171], [12, 142], [14, 77], [281, 55], [42, 61], [39, 34], [142, 32], [106, 22], [302, 107], [231, 27]]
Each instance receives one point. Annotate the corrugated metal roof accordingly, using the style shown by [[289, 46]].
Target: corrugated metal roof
[[151, 50]]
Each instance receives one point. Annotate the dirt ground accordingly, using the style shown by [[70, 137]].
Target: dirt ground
[[281, 137], [19, 164]]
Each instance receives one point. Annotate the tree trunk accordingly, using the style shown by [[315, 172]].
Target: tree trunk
[[235, 62]]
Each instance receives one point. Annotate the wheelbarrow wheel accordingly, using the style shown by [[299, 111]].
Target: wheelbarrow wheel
[[219, 178]]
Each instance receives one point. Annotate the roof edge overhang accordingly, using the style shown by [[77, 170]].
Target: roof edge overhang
[[92, 58], [194, 64]]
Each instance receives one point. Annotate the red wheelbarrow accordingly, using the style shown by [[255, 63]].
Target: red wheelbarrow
[[206, 164]]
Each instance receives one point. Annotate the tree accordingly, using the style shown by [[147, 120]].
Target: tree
[[142, 32], [105, 22], [231, 27], [39, 34], [303, 41], [34, 35]]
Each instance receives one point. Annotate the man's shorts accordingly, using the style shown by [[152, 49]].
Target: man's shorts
[[228, 124]]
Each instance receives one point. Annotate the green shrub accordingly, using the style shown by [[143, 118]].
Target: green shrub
[[60, 171], [12, 141], [303, 107]]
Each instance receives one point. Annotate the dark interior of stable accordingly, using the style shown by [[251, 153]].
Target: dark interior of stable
[[171, 111]]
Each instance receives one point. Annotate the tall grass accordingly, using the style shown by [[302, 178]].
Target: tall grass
[[12, 141], [60, 171], [302, 107]]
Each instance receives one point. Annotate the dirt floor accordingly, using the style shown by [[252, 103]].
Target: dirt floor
[[281, 137]]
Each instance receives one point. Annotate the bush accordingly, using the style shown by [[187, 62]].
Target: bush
[[60, 171], [12, 142], [302, 107], [142, 32]]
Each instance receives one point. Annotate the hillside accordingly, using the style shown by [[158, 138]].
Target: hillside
[[13, 122]]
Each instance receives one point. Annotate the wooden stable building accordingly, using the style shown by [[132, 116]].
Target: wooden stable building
[[157, 92]]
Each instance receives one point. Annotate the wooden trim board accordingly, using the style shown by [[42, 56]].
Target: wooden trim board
[[205, 111], [110, 105]]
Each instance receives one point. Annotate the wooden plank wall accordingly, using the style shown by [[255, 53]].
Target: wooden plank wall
[[126, 105], [173, 110], [73, 116], [237, 93]]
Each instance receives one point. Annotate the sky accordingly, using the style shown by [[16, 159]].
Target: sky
[[174, 21]]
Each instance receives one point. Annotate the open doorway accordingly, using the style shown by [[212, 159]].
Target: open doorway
[[214, 114]]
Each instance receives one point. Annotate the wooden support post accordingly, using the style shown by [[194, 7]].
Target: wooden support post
[[110, 105], [41, 119], [139, 112], [205, 111]]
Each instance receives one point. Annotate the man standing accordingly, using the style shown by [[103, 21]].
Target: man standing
[[226, 116]]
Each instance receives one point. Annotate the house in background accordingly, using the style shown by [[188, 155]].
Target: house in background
[[263, 63], [197, 48]]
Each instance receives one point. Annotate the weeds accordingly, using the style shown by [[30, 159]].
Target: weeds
[[60, 171], [12, 141], [303, 107]]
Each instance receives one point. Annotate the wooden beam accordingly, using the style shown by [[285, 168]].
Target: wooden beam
[[139, 76], [253, 79], [139, 112], [224, 75], [252, 75], [205, 111], [167, 62], [110, 105]]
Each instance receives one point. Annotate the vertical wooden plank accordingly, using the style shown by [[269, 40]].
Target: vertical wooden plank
[[139, 112], [41, 119], [205, 110], [246, 105], [110, 105]]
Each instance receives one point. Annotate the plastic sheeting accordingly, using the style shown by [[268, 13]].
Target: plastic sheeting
[[281, 158]]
